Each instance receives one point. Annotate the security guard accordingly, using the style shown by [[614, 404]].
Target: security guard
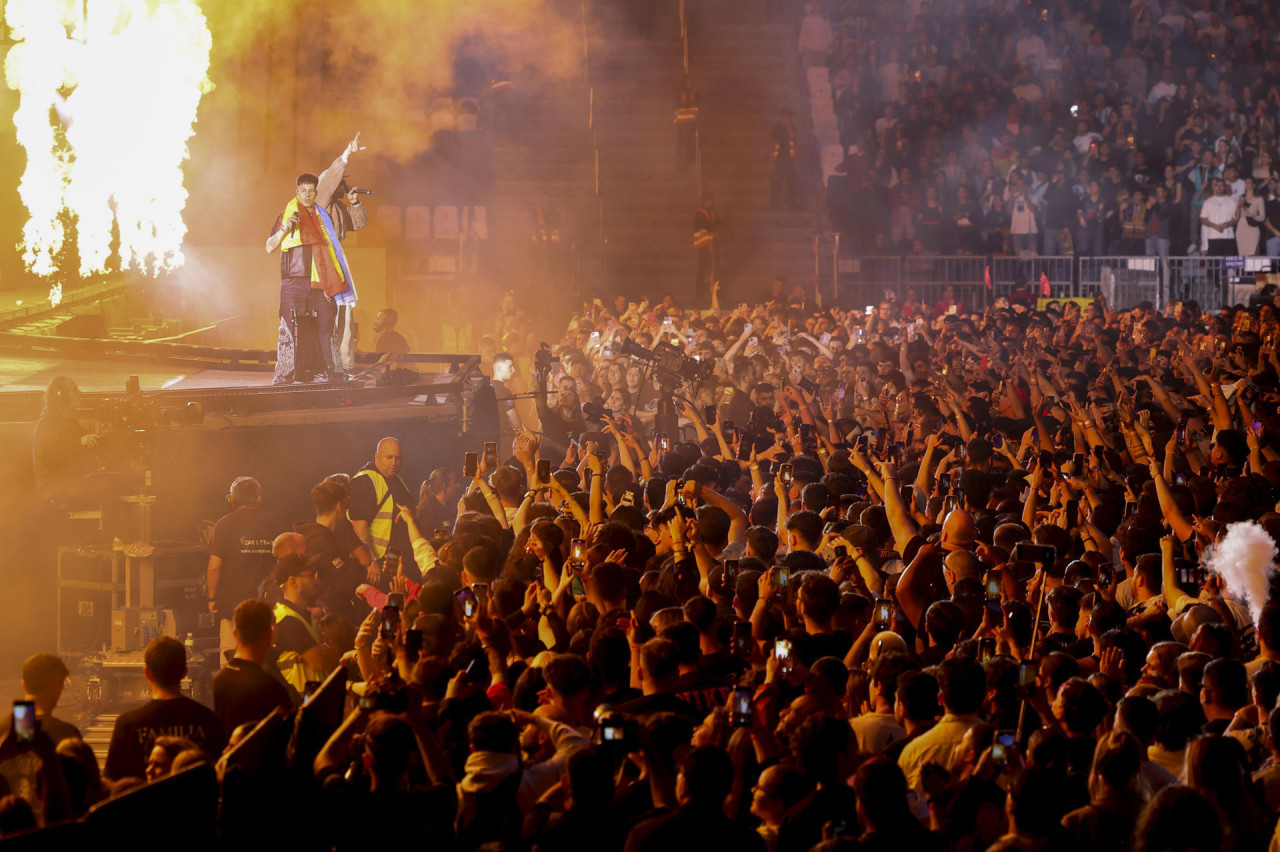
[[377, 493], [301, 655]]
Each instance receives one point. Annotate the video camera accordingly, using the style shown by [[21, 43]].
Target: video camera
[[542, 361], [126, 419], [670, 366]]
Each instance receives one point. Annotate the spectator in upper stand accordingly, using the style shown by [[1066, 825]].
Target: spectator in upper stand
[[1164, 88], [1060, 215], [1090, 218], [815, 36], [1117, 86], [1022, 225]]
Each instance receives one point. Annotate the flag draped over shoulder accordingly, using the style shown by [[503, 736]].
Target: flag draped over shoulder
[[329, 270]]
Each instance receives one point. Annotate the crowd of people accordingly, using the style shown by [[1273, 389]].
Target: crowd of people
[[849, 579], [1086, 128]]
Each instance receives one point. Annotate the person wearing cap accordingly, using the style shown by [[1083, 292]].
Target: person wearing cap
[[301, 655]]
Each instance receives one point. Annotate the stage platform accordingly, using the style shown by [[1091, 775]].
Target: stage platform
[[225, 382], [200, 417]]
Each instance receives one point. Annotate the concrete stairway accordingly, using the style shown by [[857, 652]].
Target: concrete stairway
[[550, 153], [748, 72], [649, 199]]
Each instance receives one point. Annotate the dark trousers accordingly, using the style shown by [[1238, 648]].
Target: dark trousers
[[1090, 241], [706, 276], [686, 149], [298, 297], [1222, 248], [782, 184]]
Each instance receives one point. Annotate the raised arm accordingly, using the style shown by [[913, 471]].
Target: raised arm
[[737, 517], [904, 528], [331, 178], [1177, 521]]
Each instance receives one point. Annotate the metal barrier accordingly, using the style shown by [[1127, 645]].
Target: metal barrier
[[863, 280], [1215, 281], [1212, 282], [1010, 273]]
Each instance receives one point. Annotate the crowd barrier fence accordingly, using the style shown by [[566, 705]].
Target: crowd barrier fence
[[1212, 282]]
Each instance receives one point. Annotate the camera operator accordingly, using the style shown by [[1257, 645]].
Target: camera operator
[[61, 449]]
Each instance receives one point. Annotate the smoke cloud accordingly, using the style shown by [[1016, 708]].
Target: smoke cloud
[[374, 65], [1245, 559]]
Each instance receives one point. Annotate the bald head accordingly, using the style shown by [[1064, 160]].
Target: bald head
[[287, 543], [388, 457], [961, 564], [958, 531]]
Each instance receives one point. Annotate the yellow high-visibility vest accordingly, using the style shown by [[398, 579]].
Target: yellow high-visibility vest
[[380, 526], [291, 664]]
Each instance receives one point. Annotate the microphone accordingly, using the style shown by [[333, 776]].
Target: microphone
[[363, 191]]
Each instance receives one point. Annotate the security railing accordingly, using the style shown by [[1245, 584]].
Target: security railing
[[975, 280]]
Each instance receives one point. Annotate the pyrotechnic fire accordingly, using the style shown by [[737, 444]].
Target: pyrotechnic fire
[[108, 93]]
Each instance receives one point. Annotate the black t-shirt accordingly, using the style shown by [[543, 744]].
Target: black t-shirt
[[364, 506], [724, 667], [661, 702], [340, 573], [701, 692], [243, 692], [1273, 216], [433, 515], [136, 732], [242, 540], [815, 646]]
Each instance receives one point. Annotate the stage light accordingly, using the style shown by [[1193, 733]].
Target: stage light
[[108, 93]]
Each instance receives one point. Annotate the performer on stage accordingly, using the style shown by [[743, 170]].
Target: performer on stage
[[314, 276]]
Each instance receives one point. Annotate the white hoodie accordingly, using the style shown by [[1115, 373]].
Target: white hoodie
[[485, 770]]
